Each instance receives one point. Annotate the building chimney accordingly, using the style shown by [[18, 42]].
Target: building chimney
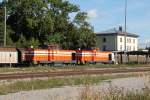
[[120, 28]]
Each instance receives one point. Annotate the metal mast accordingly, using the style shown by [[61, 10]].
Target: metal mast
[[125, 25], [5, 29], [125, 32]]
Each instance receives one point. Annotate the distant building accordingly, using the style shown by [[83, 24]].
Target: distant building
[[114, 40]]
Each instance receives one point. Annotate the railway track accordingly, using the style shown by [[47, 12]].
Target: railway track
[[70, 73]]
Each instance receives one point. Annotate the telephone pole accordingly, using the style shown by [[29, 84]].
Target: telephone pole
[[5, 29], [125, 32], [125, 25]]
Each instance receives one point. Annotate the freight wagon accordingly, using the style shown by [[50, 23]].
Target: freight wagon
[[9, 56]]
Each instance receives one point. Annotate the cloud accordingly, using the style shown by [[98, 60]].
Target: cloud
[[93, 13]]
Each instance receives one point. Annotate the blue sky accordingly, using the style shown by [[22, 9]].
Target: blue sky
[[107, 14]]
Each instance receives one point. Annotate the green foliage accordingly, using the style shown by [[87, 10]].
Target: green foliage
[[55, 39], [1, 25], [1, 34], [9, 30], [37, 22], [23, 43]]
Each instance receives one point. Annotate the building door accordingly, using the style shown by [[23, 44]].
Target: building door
[[104, 47]]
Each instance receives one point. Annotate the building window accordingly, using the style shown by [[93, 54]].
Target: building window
[[130, 48], [127, 40], [134, 48], [130, 40], [133, 40], [120, 39], [104, 47], [121, 47], [104, 39], [127, 48]]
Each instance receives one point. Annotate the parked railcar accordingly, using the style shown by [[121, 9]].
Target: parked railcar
[[42, 56], [94, 56], [9, 56], [104, 57]]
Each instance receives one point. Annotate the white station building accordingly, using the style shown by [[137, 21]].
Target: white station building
[[114, 40]]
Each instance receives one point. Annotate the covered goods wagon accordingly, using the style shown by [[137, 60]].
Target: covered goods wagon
[[8, 55]]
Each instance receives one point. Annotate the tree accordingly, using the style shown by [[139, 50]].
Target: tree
[[48, 21], [30, 19], [1, 24], [9, 30], [87, 38]]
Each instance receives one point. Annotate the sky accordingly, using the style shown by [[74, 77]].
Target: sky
[[107, 14]]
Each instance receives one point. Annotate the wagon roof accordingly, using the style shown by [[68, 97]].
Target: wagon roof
[[8, 49]]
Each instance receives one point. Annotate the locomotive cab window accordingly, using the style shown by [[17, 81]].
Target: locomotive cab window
[[110, 56], [73, 56]]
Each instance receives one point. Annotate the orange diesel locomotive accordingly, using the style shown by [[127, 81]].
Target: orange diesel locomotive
[[94, 56], [49, 56], [52, 56]]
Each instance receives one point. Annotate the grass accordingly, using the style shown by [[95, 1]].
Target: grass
[[115, 93], [65, 68], [54, 82]]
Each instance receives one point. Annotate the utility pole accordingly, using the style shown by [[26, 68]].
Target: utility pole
[[125, 24], [5, 29], [125, 32]]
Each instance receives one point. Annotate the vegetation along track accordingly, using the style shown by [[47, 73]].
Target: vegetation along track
[[70, 73]]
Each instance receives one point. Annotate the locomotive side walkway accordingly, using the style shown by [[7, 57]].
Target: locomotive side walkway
[[72, 73]]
